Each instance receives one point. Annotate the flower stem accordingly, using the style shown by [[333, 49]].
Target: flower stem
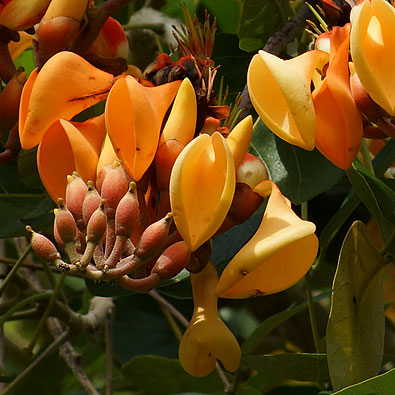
[[15, 268], [313, 319], [366, 157]]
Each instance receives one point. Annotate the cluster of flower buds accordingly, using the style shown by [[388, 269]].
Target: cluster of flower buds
[[101, 233]]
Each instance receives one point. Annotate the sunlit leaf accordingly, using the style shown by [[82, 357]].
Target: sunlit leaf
[[355, 332]]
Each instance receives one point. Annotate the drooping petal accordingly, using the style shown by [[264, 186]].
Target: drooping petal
[[278, 255], [134, 115], [65, 149], [280, 93], [202, 185], [22, 14], [339, 121], [207, 338], [372, 45], [66, 85]]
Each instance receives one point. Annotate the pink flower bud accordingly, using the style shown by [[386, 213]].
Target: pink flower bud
[[97, 225], [251, 171], [127, 213], [91, 202], [66, 228], [75, 194], [114, 188], [173, 259], [153, 238], [42, 247]]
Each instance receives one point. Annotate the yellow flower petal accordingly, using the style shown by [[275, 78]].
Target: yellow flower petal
[[134, 115], [278, 255], [202, 185], [372, 45], [207, 338], [66, 85], [280, 93]]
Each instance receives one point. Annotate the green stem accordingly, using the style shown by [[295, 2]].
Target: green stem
[[14, 269], [46, 314], [313, 319], [366, 157], [18, 306]]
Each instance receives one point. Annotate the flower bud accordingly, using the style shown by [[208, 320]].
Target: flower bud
[[75, 194], [65, 223], [153, 237], [251, 171], [91, 202], [97, 224], [127, 213], [173, 259], [42, 247], [114, 188]]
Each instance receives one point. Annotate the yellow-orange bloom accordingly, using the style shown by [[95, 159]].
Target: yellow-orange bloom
[[339, 122], [280, 92], [134, 115], [278, 255], [66, 85], [66, 147], [207, 338], [202, 185], [372, 45]]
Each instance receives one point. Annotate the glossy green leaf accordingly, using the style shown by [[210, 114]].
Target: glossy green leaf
[[156, 375], [295, 366], [272, 322], [259, 20], [227, 13], [355, 331], [300, 174], [379, 385]]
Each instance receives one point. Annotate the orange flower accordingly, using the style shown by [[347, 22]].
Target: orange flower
[[207, 338], [278, 255], [338, 120]]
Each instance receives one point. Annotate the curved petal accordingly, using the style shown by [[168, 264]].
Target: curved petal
[[372, 46], [278, 255], [66, 85], [239, 140], [134, 115], [207, 338], [16, 48], [63, 150], [181, 123], [202, 185], [339, 122], [280, 93]]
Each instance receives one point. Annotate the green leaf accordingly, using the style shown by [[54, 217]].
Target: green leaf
[[260, 333], [300, 174], [379, 385], [295, 366], [227, 13], [355, 331], [157, 375], [259, 20], [20, 205], [376, 196]]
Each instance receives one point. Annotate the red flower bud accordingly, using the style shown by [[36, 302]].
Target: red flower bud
[[42, 247], [153, 238], [97, 225], [127, 213], [173, 259], [114, 187], [75, 194], [91, 202], [165, 157], [66, 228], [251, 171]]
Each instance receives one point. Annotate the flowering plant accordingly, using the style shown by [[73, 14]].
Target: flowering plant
[[163, 225]]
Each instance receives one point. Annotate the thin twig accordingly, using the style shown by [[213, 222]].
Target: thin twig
[[109, 331], [48, 351]]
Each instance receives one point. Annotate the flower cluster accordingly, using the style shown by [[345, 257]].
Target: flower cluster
[[159, 153], [349, 99]]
